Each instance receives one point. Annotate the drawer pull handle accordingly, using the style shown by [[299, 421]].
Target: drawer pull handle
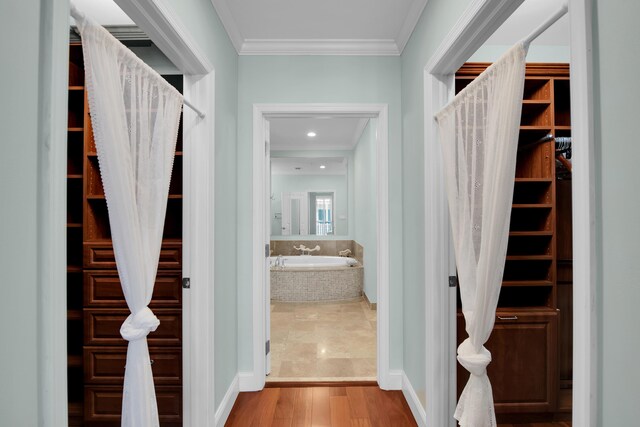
[[152, 361], [508, 318]]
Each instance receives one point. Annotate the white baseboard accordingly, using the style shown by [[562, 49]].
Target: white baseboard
[[394, 380], [248, 381], [414, 402], [223, 411]]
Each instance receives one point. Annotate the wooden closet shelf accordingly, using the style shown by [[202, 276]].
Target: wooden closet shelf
[[74, 269], [529, 283], [74, 176], [76, 88], [74, 225], [562, 127], [533, 180], [74, 314], [532, 206], [76, 409], [75, 129], [530, 233], [529, 257], [74, 360], [535, 128], [536, 102], [525, 283]]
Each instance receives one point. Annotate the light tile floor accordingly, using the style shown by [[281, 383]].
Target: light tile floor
[[326, 341]]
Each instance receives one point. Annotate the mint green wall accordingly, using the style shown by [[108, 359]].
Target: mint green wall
[[312, 79], [434, 24], [200, 19], [617, 91], [19, 173], [366, 203], [290, 183]]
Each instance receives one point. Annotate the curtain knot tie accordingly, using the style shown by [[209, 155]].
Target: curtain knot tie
[[139, 325], [475, 362]]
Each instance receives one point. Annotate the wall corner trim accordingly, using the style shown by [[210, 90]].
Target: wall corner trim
[[224, 409]]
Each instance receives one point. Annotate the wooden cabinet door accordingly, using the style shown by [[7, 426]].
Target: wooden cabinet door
[[523, 370]]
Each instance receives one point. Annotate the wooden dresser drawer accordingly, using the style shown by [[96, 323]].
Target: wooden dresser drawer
[[523, 370], [100, 255], [102, 288], [103, 404], [105, 365], [102, 327]]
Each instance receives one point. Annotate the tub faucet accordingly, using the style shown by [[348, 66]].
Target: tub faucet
[[302, 248]]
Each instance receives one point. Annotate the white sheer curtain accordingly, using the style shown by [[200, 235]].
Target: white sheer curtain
[[479, 136], [135, 115]]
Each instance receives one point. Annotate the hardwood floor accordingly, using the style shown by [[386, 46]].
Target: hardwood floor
[[553, 424], [362, 406], [330, 406]]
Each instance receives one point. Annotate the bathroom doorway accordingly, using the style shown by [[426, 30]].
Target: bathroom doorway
[[336, 222], [322, 310]]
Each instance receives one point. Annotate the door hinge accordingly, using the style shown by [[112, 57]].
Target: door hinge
[[267, 347], [453, 281], [186, 283], [266, 251]]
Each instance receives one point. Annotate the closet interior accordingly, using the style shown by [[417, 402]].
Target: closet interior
[[531, 343], [96, 306]]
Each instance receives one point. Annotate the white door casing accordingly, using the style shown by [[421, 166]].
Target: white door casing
[[255, 379], [476, 25]]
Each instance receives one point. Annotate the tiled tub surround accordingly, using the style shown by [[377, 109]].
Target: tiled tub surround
[[327, 247], [323, 341], [316, 284]]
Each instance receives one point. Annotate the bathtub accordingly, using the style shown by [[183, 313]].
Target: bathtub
[[313, 261], [316, 278]]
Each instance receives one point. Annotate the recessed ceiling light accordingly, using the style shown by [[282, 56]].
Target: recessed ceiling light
[[322, 166], [311, 134]]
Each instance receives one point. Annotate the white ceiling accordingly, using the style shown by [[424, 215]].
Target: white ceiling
[[104, 12], [337, 27], [308, 166], [332, 133], [527, 18], [347, 27]]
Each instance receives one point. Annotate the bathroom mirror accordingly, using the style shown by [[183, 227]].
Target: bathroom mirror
[[309, 196]]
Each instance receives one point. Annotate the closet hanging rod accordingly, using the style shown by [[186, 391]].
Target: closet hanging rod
[[549, 22]]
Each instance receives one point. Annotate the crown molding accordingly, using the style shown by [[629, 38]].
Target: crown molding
[[410, 22], [363, 47], [229, 23]]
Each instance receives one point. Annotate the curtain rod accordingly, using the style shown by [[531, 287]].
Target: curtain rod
[[190, 105], [549, 22], [78, 15]]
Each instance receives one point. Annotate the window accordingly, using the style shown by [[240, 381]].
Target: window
[[323, 208]]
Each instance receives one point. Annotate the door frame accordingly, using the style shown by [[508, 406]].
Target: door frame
[[255, 379], [175, 41], [477, 24]]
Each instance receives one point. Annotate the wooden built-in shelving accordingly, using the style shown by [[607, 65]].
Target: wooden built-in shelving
[[96, 305], [526, 372]]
